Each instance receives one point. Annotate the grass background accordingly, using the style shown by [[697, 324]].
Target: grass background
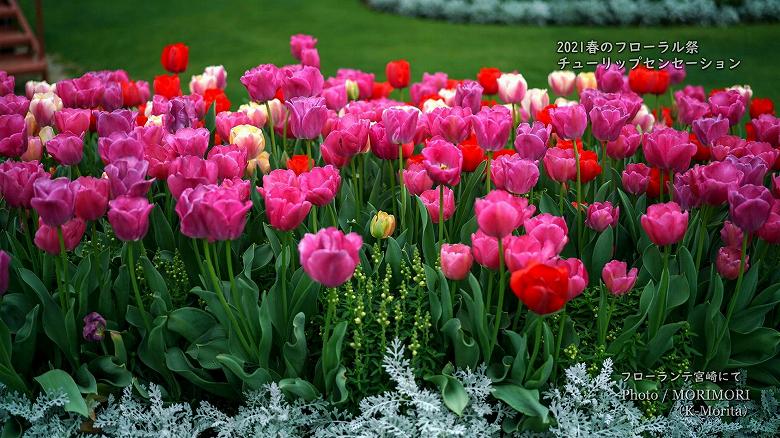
[[108, 34]]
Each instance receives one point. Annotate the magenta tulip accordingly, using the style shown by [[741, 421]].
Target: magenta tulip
[[560, 164], [330, 256], [485, 249], [618, 278], [66, 148], [626, 143], [708, 130], [609, 78], [767, 129], [416, 179], [689, 108], [749, 206], [307, 116], [770, 231], [492, 126], [128, 177], [430, 199], [443, 161], [728, 261], [286, 207], [715, 180], [320, 184], [468, 94], [226, 120], [121, 121], [212, 212], [129, 217], [231, 160], [47, 237], [514, 174], [668, 149], [578, 275], [72, 120], [261, 82], [189, 171], [608, 121], [400, 124], [189, 141], [531, 140], [91, 197], [300, 81], [665, 224], [523, 251], [456, 261], [17, 180], [730, 104], [13, 104], [13, 135], [636, 178], [551, 231], [452, 124], [569, 122], [499, 213], [348, 136], [119, 146], [53, 200], [602, 215]]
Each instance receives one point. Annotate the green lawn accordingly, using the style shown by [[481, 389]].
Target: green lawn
[[241, 34]]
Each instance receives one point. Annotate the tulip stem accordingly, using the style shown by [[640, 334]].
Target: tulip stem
[[738, 287], [333, 217], [222, 300], [64, 262], [661, 187], [514, 125], [134, 282], [401, 185], [489, 299], [579, 199], [392, 187], [537, 340], [558, 342], [441, 215], [329, 315], [229, 257], [500, 305], [314, 219], [602, 318], [271, 126], [487, 172], [703, 223]]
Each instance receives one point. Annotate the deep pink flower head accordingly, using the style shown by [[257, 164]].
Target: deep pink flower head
[[307, 116], [522, 251], [608, 121], [715, 180], [189, 171], [569, 122], [119, 146], [331, 157], [13, 104], [94, 327], [485, 249], [416, 179], [452, 124], [551, 231], [430, 84], [400, 124], [286, 207], [17, 180], [320, 184], [381, 145], [226, 120], [531, 140], [116, 121], [728, 145], [602, 215], [456, 261], [636, 178], [512, 87], [279, 178], [626, 144], [499, 213], [560, 164], [468, 94], [348, 136], [72, 120], [492, 126], [694, 91], [731, 235], [300, 42], [13, 136], [665, 224], [7, 83], [689, 108], [159, 156], [53, 200], [668, 149], [261, 82], [676, 72], [129, 217], [609, 78], [753, 168], [749, 206], [685, 189], [231, 160], [66, 148], [708, 130], [728, 260], [330, 256], [5, 266], [301, 81], [443, 161], [212, 212], [578, 275], [729, 104], [514, 174], [127, 176], [189, 141], [770, 231], [84, 92], [47, 238], [335, 97], [183, 112], [767, 129], [618, 278], [430, 199], [91, 197], [310, 57]]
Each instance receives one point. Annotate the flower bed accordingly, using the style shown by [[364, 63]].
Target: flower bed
[[276, 251]]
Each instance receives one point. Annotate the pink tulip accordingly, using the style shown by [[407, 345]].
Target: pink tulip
[[189, 141], [307, 116], [689, 108], [119, 146], [300, 42], [128, 177], [13, 104], [279, 178], [189, 171], [66, 148], [300, 81], [330, 256], [514, 174], [709, 130], [608, 121], [729, 104], [5, 266], [17, 180], [715, 180], [668, 149], [468, 94], [499, 213], [636, 178], [231, 160], [728, 260], [53, 200], [320, 184], [47, 237], [13, 135], [770, 231], [569, 122], [119, 121], [618, 278], [665, 224], [560, 164], [626, 143], [686, 190], [535, 100], [749, 206], [348, 136], [492, 126], [551, 231], [72, 120], [226, 120], [485, 249], [531, 140], [129, 217], [443, 161], [452, 124], [261, 82], [578, 275], [512, 87], [400, 124], [456, 261], [430, 199], [286, 207], [767, 129], [91, 197], [731, 235], [416, 179], [602, 215], [522, 251], [212, 212], [609, 78]]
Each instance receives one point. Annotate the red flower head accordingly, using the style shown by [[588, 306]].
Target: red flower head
[[131, 95], [175, 57], [299, 163], [416, 158], [167, 86], [761, 105], [643, 80], [666, 113], [398, 73], [488, 78], [703, 153], [472, 154], [542, 288], [497, 154], [750, 132], [589, 166], [381, 90], [544, 115], [217, 97], [654, 186], [452, 84], [141, 118]]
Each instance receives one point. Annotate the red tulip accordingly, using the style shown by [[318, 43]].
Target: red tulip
[[175, 57], [643, 80], [398, 73], [488, 78], [472, 154], [761, 105], [299, 163], [542, 288], [167, 86], [218, 98]]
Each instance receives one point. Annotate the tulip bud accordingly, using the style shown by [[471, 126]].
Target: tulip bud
[[249, 137], [353, 91], [382, 225]]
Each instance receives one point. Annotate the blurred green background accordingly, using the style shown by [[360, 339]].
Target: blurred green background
[[107, 34]]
